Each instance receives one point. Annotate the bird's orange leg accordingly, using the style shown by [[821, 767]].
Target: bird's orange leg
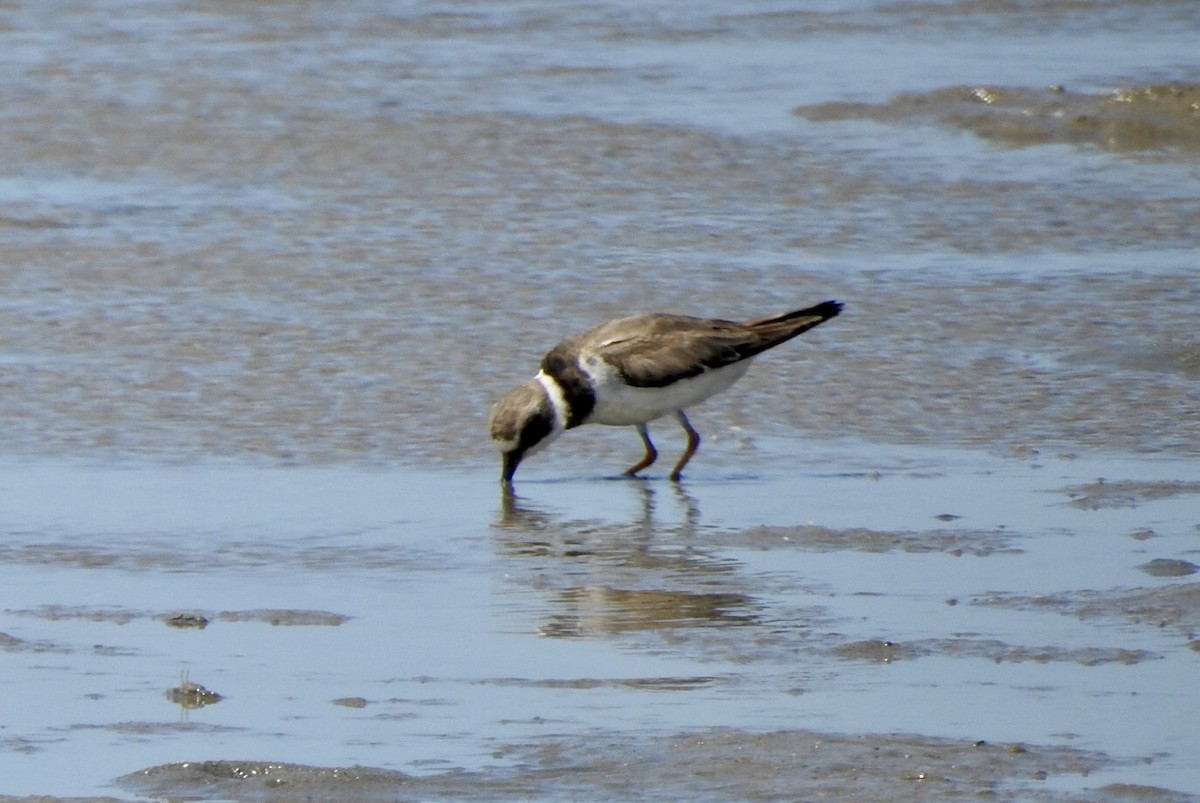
[[693, 444], [651, 452]]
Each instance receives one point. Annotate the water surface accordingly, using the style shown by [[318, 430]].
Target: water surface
[[266, 268]]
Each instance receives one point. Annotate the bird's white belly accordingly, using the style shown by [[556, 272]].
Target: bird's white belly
[[618, 404]]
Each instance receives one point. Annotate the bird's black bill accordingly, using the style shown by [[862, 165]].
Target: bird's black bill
[[511, 461]]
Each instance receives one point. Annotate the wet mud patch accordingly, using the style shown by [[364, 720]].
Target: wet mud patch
[[639, 684], [260, 780], [1175, 606], [191, 619], [13, 644], [1134, 119], [284, 617], [144, 730], [707, 765], [977, 543], [1181, 357], [1000, 652], [46, 798], [1103, 494], [151, 554], [1169, 567]]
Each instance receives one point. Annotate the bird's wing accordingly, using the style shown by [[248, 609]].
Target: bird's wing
[[654, 351]]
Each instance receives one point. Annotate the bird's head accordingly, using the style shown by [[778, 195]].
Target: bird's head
[[522, 422]]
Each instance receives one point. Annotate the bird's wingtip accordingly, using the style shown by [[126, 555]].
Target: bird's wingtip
[[828, 308]]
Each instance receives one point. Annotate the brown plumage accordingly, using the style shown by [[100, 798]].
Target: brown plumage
[[653, 351]]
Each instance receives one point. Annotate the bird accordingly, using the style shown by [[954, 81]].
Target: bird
[[634, 370]]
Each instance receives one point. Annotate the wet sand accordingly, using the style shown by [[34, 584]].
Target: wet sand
[[1136, 119], [266, 268]]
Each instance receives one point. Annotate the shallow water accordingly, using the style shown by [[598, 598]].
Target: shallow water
[[356, 618], [267, 266]]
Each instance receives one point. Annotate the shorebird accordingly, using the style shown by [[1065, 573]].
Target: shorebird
[[631, 371]]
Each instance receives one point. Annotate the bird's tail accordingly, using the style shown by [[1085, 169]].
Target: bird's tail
[[777, 329]]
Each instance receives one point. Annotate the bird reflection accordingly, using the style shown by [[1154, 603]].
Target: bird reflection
[[516, 513], [603, 578], [190, 696], [600, 610]]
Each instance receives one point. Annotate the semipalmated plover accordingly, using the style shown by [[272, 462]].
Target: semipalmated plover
[[630, 371]]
